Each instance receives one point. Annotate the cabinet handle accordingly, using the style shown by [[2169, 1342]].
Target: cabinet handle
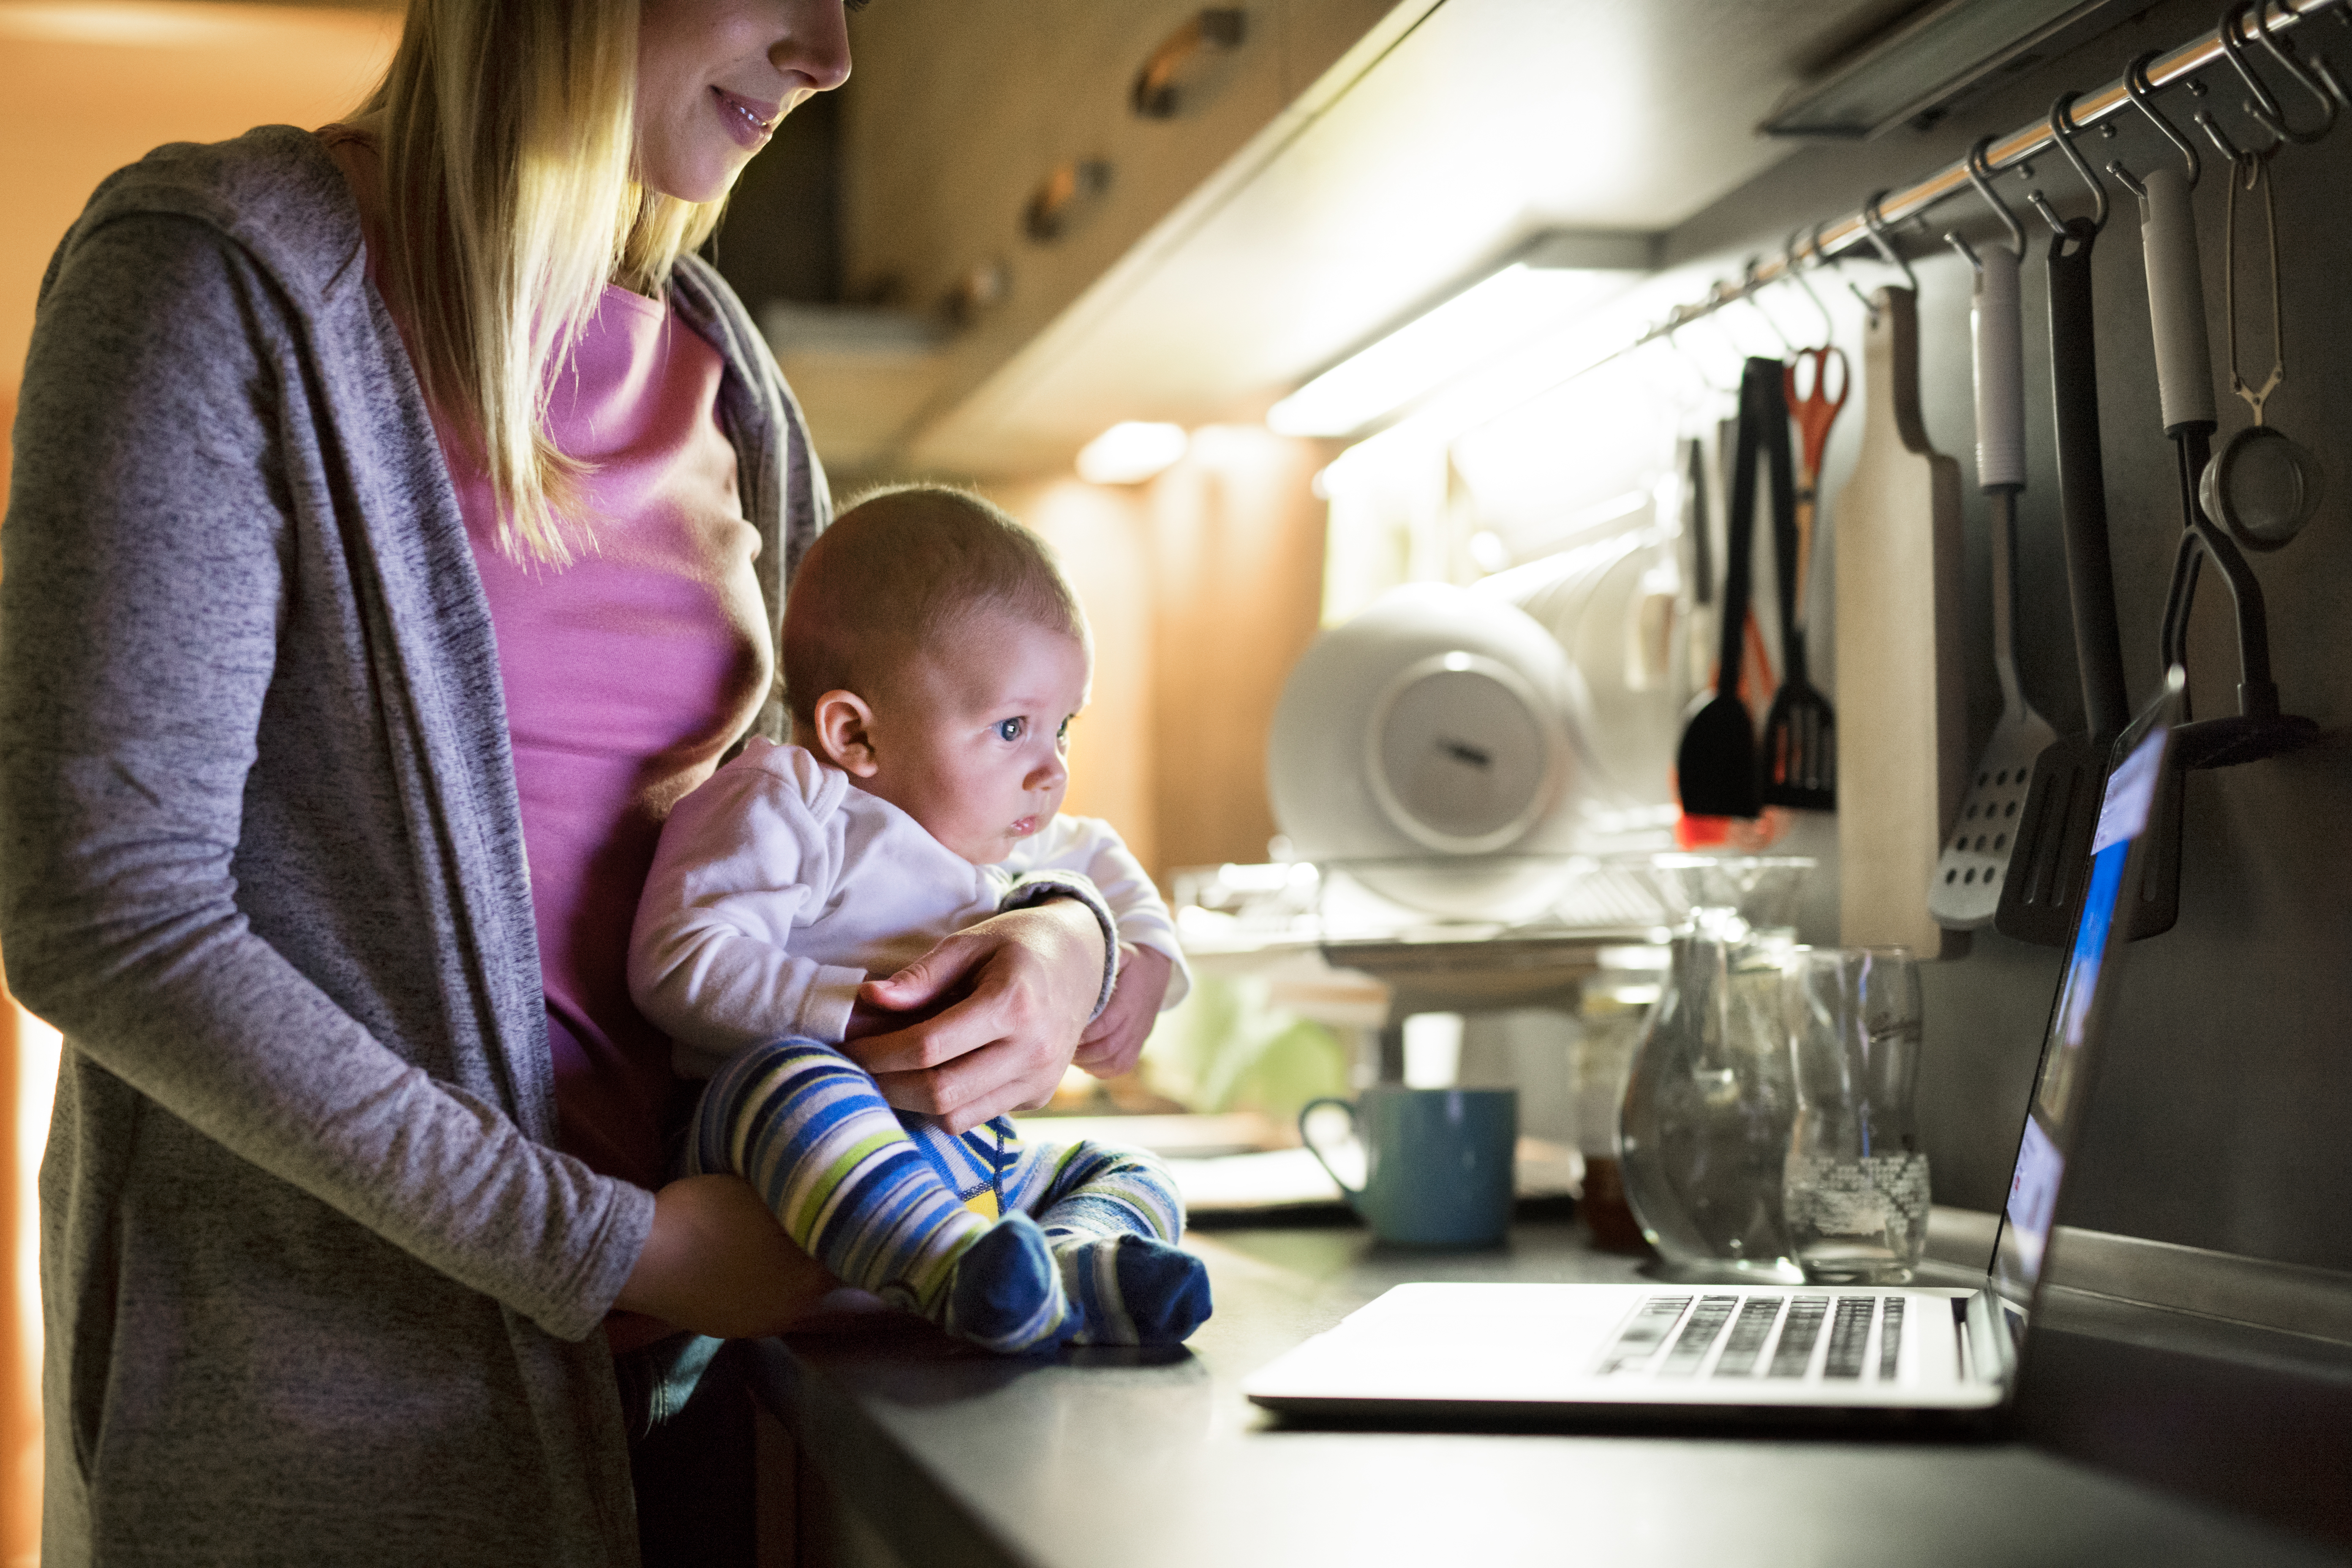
[[980, 291], [1064, 197], [1161, 85]]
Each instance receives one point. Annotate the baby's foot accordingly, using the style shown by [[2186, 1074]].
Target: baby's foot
[[1133, 1291], [1005, 1293]]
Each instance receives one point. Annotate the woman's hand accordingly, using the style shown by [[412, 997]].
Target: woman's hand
[[1114, 1041], [1017, 990], [717, 1263]]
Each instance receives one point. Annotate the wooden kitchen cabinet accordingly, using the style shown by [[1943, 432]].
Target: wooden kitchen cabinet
[[960, 109]]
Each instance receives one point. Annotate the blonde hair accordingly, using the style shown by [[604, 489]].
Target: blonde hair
[[900, 572], [509, 131]]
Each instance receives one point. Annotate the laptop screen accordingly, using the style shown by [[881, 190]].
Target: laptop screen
[[2054, 1113]]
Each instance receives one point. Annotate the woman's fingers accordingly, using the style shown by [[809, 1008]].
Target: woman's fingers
[[1030, 974], [930, 978], [717, 1262], [977, 1086], [995, 1051]]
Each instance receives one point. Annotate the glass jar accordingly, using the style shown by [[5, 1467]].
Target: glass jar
[[1614, 1003], [1704, 1135]]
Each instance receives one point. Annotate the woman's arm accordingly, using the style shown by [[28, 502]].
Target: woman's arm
[[717, 1262], [150, 548], [1003, 1005]]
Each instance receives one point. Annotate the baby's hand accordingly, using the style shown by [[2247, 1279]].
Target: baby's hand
[[1114, 1041]]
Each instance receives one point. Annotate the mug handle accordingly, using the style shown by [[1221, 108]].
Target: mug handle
[[1309, 1110]]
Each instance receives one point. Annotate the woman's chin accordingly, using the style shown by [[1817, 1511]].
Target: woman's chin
[[705, 178]]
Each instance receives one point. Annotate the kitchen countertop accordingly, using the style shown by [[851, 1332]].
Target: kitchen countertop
[[942, 1457]]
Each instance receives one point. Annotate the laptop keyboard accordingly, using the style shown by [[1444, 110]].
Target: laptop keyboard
[[1769, 1336], [1698, 1337]]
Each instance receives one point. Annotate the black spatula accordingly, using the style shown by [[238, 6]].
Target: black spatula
[[2052, 856], [1715, 767]]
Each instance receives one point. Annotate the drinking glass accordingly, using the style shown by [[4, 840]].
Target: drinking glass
[[1855, 1188]]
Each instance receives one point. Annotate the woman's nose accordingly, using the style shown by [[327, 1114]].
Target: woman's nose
[[816, 43]]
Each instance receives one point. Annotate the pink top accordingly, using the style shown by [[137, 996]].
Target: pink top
[[626, 674]]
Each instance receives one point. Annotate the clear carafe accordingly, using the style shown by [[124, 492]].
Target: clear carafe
[[1704, 1135]]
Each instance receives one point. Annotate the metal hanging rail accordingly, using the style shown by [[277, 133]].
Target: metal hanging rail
[[1824, 242]]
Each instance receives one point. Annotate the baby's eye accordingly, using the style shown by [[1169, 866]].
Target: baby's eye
[[1062, 735], [1011, 729]]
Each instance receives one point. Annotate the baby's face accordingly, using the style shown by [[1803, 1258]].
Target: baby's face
[[972, 743]]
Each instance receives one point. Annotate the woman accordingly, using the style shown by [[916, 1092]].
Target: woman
[[376, 572]]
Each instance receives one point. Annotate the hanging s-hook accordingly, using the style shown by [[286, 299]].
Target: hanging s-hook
[[1789, 271], [1748, 289], [1718, 321], [1980, 176], [2282, 51], [1676, 318], [2143, 94], [2041, 203], [1837, 264], [2219, 137], [2263, 106], [1879, 241], [2227, 31], [2319, 66], [2063, 135], [2230, 149]]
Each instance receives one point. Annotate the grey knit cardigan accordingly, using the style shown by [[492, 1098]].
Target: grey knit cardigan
[[317, 1287]]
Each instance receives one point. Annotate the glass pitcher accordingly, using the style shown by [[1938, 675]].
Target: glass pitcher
[[1704, 1135]]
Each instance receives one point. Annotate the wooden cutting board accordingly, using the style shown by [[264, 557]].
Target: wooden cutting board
[[1902, 719]]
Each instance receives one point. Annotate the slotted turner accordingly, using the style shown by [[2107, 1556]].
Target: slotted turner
[[1800, 731], [1966, 892]]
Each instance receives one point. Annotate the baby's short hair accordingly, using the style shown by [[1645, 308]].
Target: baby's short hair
[[898, 574]]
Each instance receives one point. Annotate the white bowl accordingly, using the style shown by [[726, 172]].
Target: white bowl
[[1434, 747]]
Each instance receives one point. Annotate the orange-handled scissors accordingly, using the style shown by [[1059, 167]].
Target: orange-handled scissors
[[1814, 411]]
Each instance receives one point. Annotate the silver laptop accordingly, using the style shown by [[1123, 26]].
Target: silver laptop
[[1435, 1351]]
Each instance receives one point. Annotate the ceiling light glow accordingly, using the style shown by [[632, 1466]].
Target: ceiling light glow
[[1131, 452], [1476, 327]]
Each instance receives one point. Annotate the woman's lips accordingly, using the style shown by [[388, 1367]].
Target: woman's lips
[[748, 120]]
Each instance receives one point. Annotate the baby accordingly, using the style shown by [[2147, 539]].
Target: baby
[[934, 657]]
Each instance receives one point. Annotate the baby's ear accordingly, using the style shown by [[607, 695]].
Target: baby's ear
[[845, 733]]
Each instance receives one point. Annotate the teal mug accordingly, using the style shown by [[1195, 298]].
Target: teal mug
[[1437, 1163]]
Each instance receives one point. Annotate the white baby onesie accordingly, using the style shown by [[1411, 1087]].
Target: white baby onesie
[[779, 888]]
